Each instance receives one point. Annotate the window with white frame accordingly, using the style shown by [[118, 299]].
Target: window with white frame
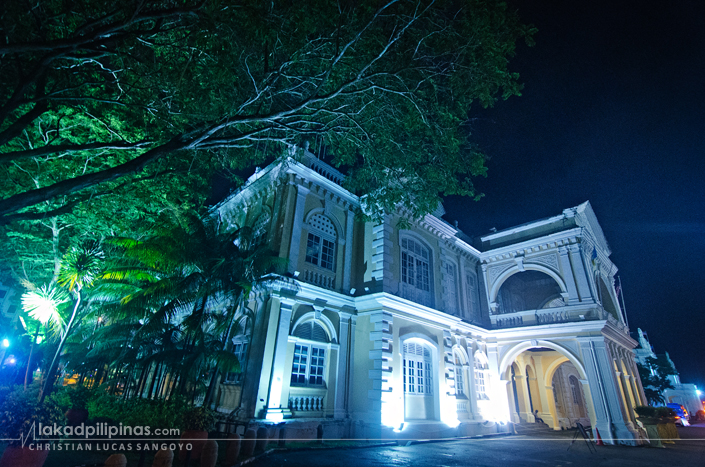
[[260, 227], [308, 368], [239, 349], [418, 378], [416, 283], [320, 243], [472, 302], [459, 377], [309, 364], [450, 291], [480, 379]]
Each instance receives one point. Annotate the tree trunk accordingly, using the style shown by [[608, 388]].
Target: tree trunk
[[49, 383]]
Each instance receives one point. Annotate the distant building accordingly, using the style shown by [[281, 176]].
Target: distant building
[[414, 328], [682, 393], [8, 304]]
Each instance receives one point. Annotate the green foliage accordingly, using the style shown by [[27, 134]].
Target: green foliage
[[665, 412], [655, 384], [19, 410], [199, 419], [149, 111], [645, 411], [139, 412]]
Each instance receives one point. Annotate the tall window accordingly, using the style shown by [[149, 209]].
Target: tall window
[[480, 379], [418, 378], [239, 349], [471, 289], [309, 362], [459, 378], [450, 293], [260, 227], [320, 244], [308, 368], [415, 272]]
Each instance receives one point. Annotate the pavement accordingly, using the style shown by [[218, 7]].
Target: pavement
[[548, 448]]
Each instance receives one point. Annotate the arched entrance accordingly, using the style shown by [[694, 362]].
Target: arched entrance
[[559, 401]]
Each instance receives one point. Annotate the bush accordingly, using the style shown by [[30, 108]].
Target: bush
[[198, 419], [645, 411], [20, 409], [665, 412]]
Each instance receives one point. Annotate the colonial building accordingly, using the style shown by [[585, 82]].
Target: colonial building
[[408, 328]]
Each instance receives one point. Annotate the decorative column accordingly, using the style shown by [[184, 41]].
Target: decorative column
[[275, 411], [297, 227]]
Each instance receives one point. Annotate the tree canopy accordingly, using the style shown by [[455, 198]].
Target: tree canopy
[[110, 112]]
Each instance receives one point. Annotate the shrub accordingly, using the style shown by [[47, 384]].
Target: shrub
[[20, 409], [665, 412], [199, 419], [645, 411]]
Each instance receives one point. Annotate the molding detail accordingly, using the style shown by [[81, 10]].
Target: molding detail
[[495, 271], [549, 260]]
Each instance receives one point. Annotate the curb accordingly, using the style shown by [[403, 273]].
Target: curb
[[371, 446]]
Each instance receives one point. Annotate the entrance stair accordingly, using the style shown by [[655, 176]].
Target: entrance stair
[[530, 429]]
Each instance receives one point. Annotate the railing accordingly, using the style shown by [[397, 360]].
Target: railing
[[321, 279], [461, 406], [323, 169], [564, 314], [510, 322], [306, 403]]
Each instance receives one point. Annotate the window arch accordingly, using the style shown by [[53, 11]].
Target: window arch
[[472, 296], [320, 244], [450, 288], [460, 390], [260, 227], [239, 346], [418, 377], [481, 376], [310, 354], [416, 283]]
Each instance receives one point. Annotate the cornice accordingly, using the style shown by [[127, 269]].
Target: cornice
[[537, 245]]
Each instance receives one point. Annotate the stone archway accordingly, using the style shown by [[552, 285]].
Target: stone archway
[[538, 361]]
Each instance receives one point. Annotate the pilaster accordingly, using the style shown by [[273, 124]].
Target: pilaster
[[276, 406], [297, 227]]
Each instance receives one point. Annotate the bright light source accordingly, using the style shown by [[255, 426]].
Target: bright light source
[[12, 361], [6, 343], [700, 393]]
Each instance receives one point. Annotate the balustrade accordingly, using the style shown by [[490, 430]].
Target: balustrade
[[306, 403], [321, 279]]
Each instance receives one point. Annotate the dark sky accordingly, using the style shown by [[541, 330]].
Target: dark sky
[[613, 111]]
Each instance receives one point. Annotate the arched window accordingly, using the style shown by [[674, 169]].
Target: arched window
[[459, 376], [450, 289], [416, 272], [473, 304], [418, 378], [309, 363], [480, 378], [260, 227], [239, 346], [320, 245]]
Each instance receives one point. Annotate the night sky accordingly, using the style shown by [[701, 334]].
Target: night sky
[[612, 112]]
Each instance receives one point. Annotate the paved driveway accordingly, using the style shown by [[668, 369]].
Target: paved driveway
[[549, 449]]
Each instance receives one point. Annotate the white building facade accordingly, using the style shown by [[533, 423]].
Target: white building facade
[[410, 329]]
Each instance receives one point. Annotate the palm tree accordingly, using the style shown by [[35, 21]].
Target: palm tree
[[183, 285], [80, 267]]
